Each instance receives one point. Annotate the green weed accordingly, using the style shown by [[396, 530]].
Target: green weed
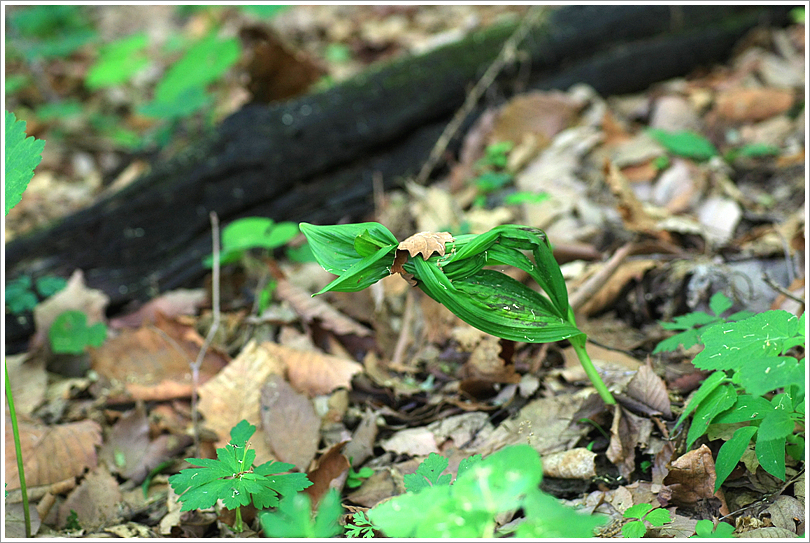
[[70, 334], [643, 512], [706, 528]]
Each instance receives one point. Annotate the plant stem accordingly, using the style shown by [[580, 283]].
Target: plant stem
[[238, 525], [15, 430], [578, 343]]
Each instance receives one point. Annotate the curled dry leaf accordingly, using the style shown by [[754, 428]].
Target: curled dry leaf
[[52, 453], [312, 372], [330, 471], [691, 477], [309, 308], [290, 424], [649, 389], [426, 243]]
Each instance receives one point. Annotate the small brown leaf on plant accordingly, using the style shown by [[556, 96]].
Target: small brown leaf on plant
[[426, 243]]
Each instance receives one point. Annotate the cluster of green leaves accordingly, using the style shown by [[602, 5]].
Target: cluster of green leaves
[[706, 528], [748, 358], [641, 513], [294, 518], [22, 295], [492, 175], [49, 31], [70, 334], [356, 477], [507, 480], [233, 478], [695, 323], [360, 526], [691, 145]]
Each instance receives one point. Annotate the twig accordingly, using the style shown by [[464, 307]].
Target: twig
[[405, 331], [506, 56], [195, 366], [779, 288], [598, 280]]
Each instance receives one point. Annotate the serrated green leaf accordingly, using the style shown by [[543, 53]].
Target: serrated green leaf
[[719, 303], [760, 375], [326, 522], [634, 529], [686, 339], [23, 155], [746, 408], [685, 322], [684, 143], [205, 495], [771, 456], [658, 517], [712, 382], [776, 425], [49, 285], [720, 399], [241, 433], [731, 452], [428, 473], [467, 463], [728, 345], [294, 519], [637, 511]]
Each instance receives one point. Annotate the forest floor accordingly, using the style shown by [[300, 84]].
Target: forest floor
[[645, 229]]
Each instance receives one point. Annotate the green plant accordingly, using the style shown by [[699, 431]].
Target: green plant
[[706, 528], [249, 233], [749, 362], [684, 143], [69, 333], [490, 168], [72, 521], [294, 517], [526, 198], [507, 480], [22, 156], [451, 271], [360, 526], [50, 31], [718, 304], [234, 479], [356, 478], [21, 296], [118, 61], [495, 155], [643, 512]]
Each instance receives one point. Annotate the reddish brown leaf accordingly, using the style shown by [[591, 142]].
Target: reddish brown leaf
[[752, 104], [312, 372], [426, 243], [691, 477], [52, 453], [309, 308], [330, 471], [291, 426]]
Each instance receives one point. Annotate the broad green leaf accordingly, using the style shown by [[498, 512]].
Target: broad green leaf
[[333, 246], [719, 303], [205, 62], [683, 143], [746, 408], [728, 345], [293, 519], [720, 399], [546, 517], [118, 61], [712, 382], [517, 198], [771, 456], [499, 480], [240, 434], [23, 155], [776, 425], [795, 447], [326, 522], [637, 511], [203, 496], [731, 452], [364, 273], [634, 529], [429, 473], [49, 285], [764, 374], [658, 517]]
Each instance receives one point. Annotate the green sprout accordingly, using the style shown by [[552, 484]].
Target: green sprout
[[451, 270]]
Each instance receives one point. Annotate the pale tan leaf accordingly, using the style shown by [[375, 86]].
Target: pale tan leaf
[[769, 532], [426, 243], [28, 379], [577, 463], [786, 512], [412, 441], [649, 389], [96, 500], [234, 394], [312, 372], [290, 424], [52, 453], [309, 308]]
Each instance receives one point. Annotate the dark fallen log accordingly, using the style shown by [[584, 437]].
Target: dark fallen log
[[313, 158]]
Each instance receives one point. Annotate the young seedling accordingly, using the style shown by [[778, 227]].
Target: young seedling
[[234, 479], [451, 271], [360, 526], [706, 528], [643, 512], [70, 334]]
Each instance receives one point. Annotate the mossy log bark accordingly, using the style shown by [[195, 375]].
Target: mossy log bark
[[313, 158]]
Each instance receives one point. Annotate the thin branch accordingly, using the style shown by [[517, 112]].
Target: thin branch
[[506, 56], [405, 331], [195, 366], [779, 288], [598, 280]]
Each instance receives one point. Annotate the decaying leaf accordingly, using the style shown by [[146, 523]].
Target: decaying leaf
[[649, 389], [309, 308], [290, 424], [330, 471], [426, 243], [691, 477], [95, 500], [312, 372]]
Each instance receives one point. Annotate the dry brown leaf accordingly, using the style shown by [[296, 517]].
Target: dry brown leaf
[[541, 113], [624, 436], [153, 362], [361, 447], [314, 373], [28, 380], [486, 364], [412, 441], [235, 392], [95, 500], [75, 296], [52, 453], [330, 471], [752, 104], [290, 424], [691, 477], [635, 216], [426, 243], [649, 389], [376, 488], [786, 512], [768, 532], [577, 463], [604, 298], [309, 308], [170, 304]]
